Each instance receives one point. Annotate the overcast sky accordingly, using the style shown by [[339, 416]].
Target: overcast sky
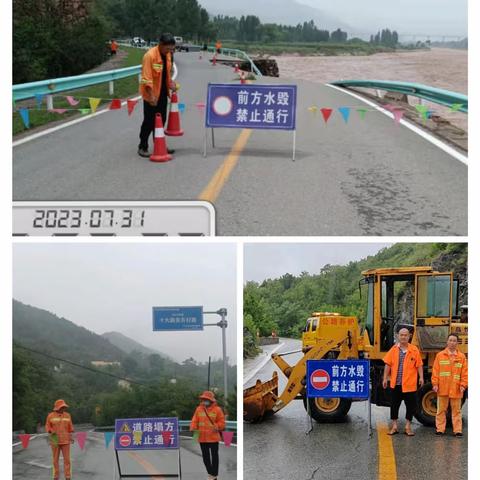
[[105, 287], [433, 17], [272, 260]]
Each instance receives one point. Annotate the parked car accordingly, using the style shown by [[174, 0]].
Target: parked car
[[138, 42]]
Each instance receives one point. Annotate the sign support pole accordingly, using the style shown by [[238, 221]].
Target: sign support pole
[[213, 138], [205, 143], [369, 416], [223, 325], [294, 144]]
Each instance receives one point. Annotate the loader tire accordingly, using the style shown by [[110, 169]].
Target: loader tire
[[328, 410], [426, 405]]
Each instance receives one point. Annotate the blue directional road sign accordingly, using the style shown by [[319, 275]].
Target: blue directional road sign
[[338, 378], [177, 318], [251, 106]]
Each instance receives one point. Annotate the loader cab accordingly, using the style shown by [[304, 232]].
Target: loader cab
[[417, 298]]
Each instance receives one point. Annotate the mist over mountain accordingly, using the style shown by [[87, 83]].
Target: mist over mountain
[[285, 12]]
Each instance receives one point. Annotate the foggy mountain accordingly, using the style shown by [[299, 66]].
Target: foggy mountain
[[286, 12]]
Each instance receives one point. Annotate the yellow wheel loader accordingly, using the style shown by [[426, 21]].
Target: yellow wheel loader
[[417, 298]]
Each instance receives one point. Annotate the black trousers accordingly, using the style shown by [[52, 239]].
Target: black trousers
[[149, 114], [210, 457], [410, 399]]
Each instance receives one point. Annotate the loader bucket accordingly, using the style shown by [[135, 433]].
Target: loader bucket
[[259, 399]]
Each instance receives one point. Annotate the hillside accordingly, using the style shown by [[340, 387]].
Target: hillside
[[128, 345], [284, 303], [43, 330]]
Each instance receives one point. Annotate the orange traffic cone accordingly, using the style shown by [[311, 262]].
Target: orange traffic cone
[[160, 153], [173, 124], [242, 78]]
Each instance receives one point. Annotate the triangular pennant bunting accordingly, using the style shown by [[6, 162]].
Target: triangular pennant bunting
[[456, 107], [39, 99], [422, 110], [58, 110], [397, 115], [196, 435], [108, 438], [362, 112], [25, 439], [81, 439], [345, 111], [313, 109], [25, 115], [84, 111], [94, 103], [116, 104], [326, 112], [131, 104], [54, 439], [227, 438], [181, 107], [71, 101]]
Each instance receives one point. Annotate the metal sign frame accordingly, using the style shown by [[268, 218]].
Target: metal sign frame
[[144, 475]]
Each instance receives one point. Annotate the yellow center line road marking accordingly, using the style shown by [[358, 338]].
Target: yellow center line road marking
[[213, 189], [387, 469], [149, 468]]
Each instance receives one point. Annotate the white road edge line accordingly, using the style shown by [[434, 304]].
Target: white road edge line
[[65, 125], [191, 438], [246, 380], [438, 143]]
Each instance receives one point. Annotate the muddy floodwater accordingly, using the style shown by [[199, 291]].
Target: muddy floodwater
[[439, 67]]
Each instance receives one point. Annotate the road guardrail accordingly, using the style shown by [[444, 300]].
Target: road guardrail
[[435, 95], [234, 52]]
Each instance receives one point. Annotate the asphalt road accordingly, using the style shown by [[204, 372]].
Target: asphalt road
[[367, 177], [95, 462], [280, 448]]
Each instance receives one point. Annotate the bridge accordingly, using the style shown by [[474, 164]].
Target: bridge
[[369, 176]]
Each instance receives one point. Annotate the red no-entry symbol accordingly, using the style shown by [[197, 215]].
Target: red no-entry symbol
[[125, 440], [320, 379]]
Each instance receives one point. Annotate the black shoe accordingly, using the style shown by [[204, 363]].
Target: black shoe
[[439, 433], [458, 434], [143, 152], [170, 150]]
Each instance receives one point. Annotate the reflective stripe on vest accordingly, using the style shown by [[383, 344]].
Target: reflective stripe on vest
[[456, 377], [444, 362], [444, 374], [459, 365]]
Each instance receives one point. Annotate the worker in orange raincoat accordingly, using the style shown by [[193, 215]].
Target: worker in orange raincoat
[[60, 427], [450, 380], [209, 421], [155, 85], [113, 47], [403, 363]]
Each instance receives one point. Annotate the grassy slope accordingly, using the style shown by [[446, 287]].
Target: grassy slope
[[123, 88]]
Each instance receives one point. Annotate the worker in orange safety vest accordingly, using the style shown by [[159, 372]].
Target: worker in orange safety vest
[[155, 85], [59, 426], [450, 380], [209, 421]]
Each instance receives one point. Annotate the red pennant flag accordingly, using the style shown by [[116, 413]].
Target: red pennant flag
[[326, 112], [397, 115], [167, 436], [81, 439], [227, 438], [131, 104], [25, 439], [116, 104]]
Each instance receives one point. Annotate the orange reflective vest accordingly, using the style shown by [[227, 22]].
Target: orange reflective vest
[[152, 68], [60, 424], [412, 361], [114, 46], [450, 372], [210, 426]]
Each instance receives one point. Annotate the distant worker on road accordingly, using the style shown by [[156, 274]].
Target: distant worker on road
[[218, 46], [113, 47], [59, 426], [209, 421], [450, 380], [155, 86], [404, 365]]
